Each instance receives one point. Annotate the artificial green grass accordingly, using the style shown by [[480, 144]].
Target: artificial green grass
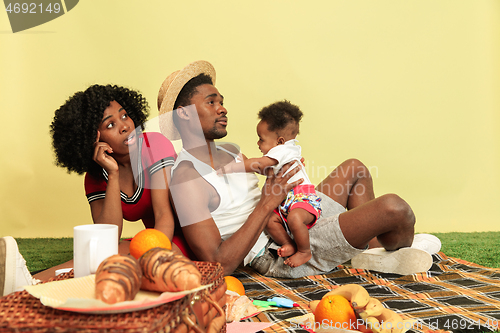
[[482, 248], [43, 253], [478, 247]]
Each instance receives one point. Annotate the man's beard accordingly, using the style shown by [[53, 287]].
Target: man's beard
[[214, 134]]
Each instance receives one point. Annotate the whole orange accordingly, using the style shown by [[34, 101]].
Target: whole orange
[[235, 285], [147, 239], [335, 311]]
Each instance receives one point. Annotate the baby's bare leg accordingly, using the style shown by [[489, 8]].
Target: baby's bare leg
[[278, 233], [297, 221]]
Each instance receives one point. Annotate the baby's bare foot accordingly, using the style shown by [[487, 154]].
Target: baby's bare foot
[[298, 259], [286, 250]]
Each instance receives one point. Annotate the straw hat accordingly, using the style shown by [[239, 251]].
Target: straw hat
[[171, 88]]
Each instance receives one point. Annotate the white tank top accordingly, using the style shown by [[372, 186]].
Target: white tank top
[[238, 195]]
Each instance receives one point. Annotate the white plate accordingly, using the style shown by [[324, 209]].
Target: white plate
[[78, 295]]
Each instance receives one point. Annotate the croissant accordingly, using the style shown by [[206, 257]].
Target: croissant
[[117, 279], [164, 270]]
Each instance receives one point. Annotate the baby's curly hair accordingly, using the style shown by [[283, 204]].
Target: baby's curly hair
[[281, 115], [75, 124]]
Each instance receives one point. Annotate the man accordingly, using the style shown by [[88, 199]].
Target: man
[[223, 216]]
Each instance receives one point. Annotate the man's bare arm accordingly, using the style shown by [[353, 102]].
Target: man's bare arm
[[192, 197]]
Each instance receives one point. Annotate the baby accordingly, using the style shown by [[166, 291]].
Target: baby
[[277, 130]]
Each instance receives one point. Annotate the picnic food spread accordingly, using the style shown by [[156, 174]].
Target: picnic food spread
[[164, 270], [118, 279], [376, 317]]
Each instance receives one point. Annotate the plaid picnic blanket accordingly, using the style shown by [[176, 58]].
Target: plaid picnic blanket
[[454, 295]]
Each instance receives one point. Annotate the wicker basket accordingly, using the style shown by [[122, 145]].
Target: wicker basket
[[21, 312]]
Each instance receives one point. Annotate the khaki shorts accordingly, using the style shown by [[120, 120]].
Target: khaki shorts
[[329, 248]]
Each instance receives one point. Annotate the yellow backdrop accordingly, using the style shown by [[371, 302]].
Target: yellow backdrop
[[410, 87]]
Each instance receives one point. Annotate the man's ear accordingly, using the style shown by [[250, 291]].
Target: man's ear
[[182, 113], [281, 140]]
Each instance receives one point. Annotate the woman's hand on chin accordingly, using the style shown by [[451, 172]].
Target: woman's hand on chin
[[102, 157]]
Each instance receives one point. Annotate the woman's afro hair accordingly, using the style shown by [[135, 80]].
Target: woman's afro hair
[[280, 114], [75, 124]]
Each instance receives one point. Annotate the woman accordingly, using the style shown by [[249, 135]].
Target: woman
[[99, 132]]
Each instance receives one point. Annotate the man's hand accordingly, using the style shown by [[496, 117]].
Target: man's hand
[[276, 187]]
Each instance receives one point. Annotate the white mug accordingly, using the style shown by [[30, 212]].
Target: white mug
[[92, 243]]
